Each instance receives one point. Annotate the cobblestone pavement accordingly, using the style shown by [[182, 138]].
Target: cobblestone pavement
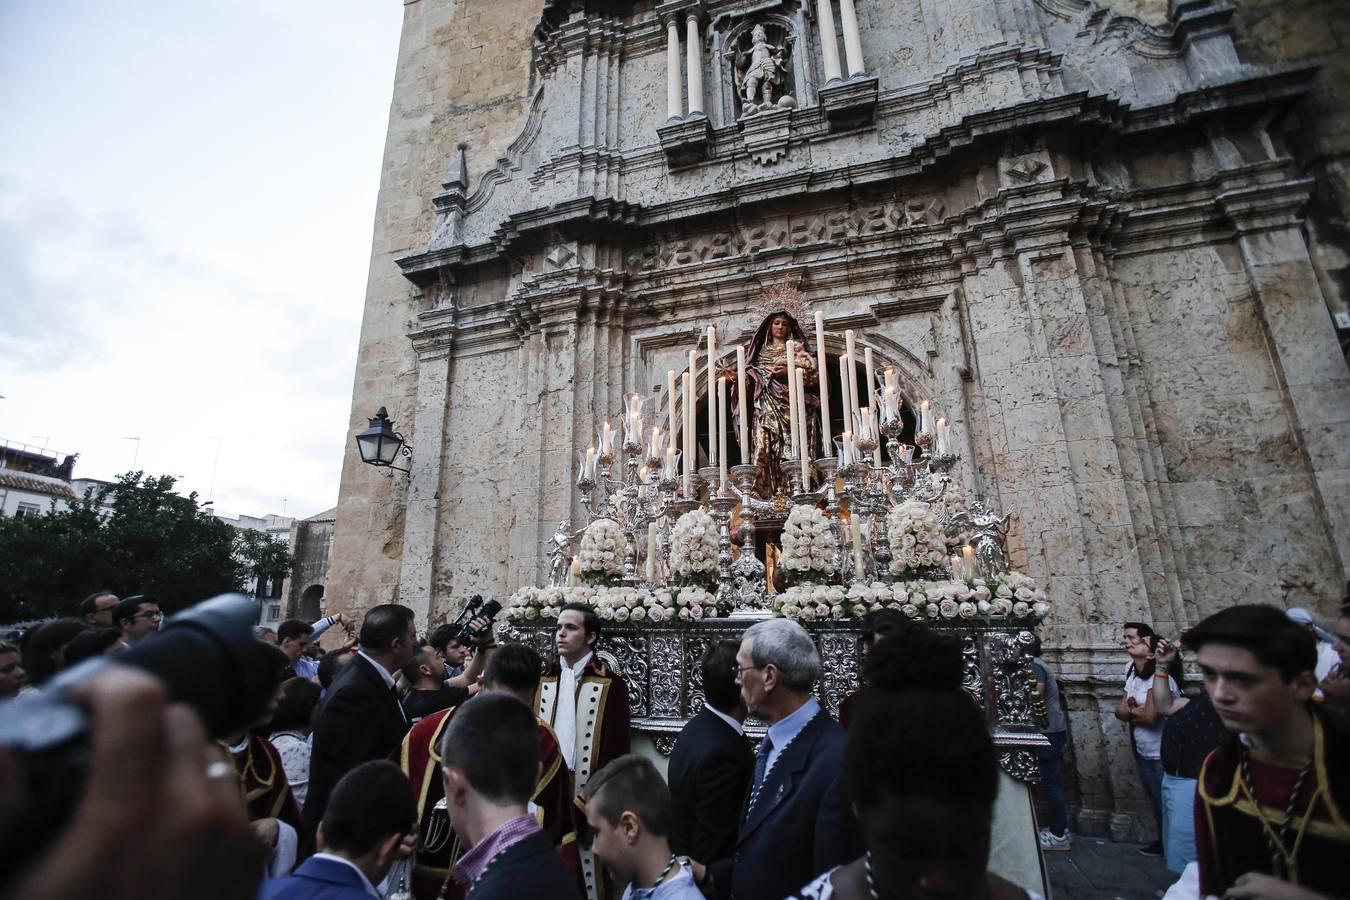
[[1099, 869]]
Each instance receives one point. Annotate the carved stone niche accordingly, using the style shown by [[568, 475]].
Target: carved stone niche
[[761, 49]]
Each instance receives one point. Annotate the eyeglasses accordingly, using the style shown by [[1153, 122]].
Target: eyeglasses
[[739, 670]]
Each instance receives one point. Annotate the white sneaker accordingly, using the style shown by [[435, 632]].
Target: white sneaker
[[1051, 841]]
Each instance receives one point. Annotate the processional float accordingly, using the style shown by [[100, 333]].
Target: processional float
[[675, 556]]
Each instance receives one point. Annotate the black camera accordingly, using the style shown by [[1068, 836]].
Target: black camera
[[206, 656], [475, 619]]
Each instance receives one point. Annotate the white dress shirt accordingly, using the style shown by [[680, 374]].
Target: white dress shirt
[[565, 721]]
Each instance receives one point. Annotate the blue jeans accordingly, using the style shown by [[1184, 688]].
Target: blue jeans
[[1178, 796], [1151, 775], [1052, 760]]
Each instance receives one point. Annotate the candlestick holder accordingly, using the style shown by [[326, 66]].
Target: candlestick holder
[[721, 512]]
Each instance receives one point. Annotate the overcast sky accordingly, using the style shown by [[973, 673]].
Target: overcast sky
[[187, 192]]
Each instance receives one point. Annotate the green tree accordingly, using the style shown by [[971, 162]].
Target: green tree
[[152, 541]]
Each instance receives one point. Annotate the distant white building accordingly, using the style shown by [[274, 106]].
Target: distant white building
[[34, 481], [268, 592]]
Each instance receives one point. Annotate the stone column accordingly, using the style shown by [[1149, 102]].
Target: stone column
[[674, 103], [421, 519], [694, 62], [829, 48], [848, 16]]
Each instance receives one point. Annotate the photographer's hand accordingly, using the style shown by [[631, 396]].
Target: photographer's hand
[[150, 824]]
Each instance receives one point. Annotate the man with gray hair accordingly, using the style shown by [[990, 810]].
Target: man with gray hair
[[797, 821]]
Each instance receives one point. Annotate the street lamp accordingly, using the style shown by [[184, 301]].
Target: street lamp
[[380, 445]]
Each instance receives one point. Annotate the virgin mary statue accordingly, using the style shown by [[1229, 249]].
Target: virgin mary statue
[[766, 362]]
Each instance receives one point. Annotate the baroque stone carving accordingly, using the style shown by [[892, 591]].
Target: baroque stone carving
[[761, 68]]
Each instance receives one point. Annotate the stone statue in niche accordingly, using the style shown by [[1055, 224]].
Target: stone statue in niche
[[761, 74]]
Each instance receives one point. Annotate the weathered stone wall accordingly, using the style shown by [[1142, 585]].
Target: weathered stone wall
[[1078, 231]]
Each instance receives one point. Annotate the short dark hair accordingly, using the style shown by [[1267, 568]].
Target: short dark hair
[[1265, 632], [330, 665], [590, 622], [42, 653], [370, 803], [292, 629], [718, 669], [884, 623], [443, 635], [494, 741], [915, 732], [1144, 629], [631, 784], [516, 667], [89, 605], [419, 658], [383, 625], [126, 610], [295, 710], [90, 643]]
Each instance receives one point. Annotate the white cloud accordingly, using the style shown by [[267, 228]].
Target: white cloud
[[197, 281]]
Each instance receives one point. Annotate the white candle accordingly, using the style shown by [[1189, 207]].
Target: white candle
[[722, 434], [907, 453], [956, 569], [891, 404], [822, 376], [855, 530], [852, 376], [669, 473], [651, 552], [801, 423], [941, 437], [688, 434], [889, 375], [968, 561], [871, 377], [792, 395], [589, 470], [654, 448], [844, 366], [924, 425], [670, 392], [846, 448], [607, 440], [574, 572], [742, 405], [712, 405]]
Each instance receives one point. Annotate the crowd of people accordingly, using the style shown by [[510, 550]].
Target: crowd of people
[[449, 766]]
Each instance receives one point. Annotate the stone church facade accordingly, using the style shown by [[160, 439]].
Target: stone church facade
[[1107, 240]]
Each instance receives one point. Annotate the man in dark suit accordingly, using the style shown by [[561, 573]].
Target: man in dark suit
[[361, 718], [797, 822], [711, 766], [370, 812]]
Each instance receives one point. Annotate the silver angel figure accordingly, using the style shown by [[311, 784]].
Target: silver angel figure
[[559, 554]]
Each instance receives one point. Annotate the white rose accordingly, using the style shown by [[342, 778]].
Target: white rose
[[967, 610], [1003, 590], [984, 606], [949, 608], [696, 612], [1002, 606], [822, 611], [910, 610], [809, 613], [638, 614], [531, 612], [1021, 609], [1024, 594], [837, 611], [684, 615], [621, 614], [792, 611], [981, 593], [1040, 608]]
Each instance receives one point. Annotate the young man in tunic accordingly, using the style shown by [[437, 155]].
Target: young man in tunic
[[586, 703], [1272, 801]]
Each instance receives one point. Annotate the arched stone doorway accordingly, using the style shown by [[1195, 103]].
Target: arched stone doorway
[[309, 602]]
